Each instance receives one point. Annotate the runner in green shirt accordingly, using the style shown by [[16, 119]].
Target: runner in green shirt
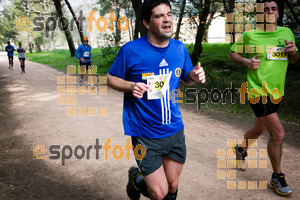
[[269, 49], [267, 55]]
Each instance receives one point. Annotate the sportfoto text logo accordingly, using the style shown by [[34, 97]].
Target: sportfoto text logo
[[50, 24], [202, 96], [66, 152]]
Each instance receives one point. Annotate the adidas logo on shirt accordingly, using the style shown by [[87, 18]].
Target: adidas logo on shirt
[[163, 63]]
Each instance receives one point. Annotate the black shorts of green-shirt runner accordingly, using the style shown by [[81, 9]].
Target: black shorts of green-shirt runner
[[261, 109]]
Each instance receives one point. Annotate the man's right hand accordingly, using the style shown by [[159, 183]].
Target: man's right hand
[[254, 62], [82, 60], [138, 90]]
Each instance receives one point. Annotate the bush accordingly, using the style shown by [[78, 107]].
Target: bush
[[108, 56]]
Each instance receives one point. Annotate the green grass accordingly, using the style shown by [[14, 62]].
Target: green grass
[[220, 73], [60, 59]]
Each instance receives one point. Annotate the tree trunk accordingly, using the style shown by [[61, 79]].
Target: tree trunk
[[38, 47], [63, 24], [140, 28], [201, 30], [229, 10], [118, 32], [281, 12], [75, 19], [130, 30], [51, 41], [211, 18], [30, 43], [136, 30], [180, 20], [30, 47]]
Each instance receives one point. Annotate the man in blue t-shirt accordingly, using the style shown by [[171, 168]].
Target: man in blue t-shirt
[[85, 58], [10, 54], [147, 70]]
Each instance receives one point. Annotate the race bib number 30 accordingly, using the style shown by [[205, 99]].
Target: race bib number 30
[[276, 53], [157, 86]]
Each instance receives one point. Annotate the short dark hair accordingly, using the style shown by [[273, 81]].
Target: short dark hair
[[264, 1], [148, 5], [276, 1], [8, 41]]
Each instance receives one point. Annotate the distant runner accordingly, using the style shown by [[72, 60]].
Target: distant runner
[[85, 58], [21, 50], [10, 54]]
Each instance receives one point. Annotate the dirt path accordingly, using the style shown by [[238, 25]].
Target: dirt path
[[30, 116]]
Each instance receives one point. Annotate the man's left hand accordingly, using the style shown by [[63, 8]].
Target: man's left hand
[[197, 74], [290, 47]]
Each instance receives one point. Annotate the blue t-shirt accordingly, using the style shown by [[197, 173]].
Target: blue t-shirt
[[156, 118], [84, 52], [10, 50]]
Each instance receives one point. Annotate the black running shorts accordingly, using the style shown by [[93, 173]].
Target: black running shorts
[[85, 64], [260, 109], [172, 147]]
